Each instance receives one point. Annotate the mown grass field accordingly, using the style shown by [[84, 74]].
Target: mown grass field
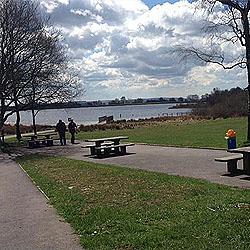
[[206, 133], [119, 208], [193, 133]]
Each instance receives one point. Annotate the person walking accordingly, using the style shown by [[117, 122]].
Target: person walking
[[72, 129], [61, 129]]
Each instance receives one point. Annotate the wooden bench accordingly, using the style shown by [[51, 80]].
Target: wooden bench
[[231, 162], [93, 147], [106, 151], [36, 143]]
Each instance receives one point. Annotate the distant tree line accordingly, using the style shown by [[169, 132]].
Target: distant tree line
[[223, 104]]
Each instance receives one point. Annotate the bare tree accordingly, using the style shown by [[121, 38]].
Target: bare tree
[[61, 88], [227, 23], [33, 62]]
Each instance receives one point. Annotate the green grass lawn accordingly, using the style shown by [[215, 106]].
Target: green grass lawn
[[206, 133], [119, 208], [209, 133]]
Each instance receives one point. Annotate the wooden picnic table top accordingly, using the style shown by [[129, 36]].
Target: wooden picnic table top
[[48, 134], [35, 136], [107, 139], [240, 150]]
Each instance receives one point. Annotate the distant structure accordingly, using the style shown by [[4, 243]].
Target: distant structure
[[106, 119]]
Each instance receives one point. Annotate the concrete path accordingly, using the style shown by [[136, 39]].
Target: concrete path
[[188, 162], [27, 222]]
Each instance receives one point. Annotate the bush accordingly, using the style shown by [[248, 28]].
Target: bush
[[11, 129], [223, 104]]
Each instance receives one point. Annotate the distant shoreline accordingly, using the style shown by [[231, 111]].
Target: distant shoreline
[[65, 106], [108, 105], [184, 106]]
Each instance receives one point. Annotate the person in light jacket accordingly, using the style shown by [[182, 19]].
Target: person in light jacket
[[72, 129]]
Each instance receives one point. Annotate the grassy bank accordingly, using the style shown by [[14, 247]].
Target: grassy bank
[[119, 208], [193, 133]]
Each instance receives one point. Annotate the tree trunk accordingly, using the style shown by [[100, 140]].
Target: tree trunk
[[248, 113], [245, 23], [18, 119], [1, 133], [2, 111], [34, 120]]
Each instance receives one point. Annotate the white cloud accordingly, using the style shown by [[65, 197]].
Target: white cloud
[[123, 48]]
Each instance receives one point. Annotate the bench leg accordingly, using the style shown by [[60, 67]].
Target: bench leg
[[246, 163], [49, 142], [123, 150], [99, 153], [92, 150], [116, 151], [232, 166], [107, 152], [36, 144]]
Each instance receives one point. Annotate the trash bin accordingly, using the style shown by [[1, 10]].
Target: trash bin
[[231, 139]]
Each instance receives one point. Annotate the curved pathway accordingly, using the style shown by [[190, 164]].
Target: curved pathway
[[188, 162], [27, 221]]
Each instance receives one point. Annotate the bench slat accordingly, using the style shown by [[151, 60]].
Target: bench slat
[[103, 144], [88, 146], [231, 162], [230, 158], [115, 146]]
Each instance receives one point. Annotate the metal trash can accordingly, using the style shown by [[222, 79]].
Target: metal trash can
[[231, 139], [231, 142]]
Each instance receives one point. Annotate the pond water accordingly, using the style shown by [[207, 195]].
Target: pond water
[[89, 115]]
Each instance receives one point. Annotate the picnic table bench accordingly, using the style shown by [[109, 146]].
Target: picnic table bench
[[104, 147], [231, 162], [36, 140], [245, 151], [105, 151]]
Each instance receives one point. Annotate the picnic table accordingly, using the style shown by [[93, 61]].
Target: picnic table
[[99, 141], [246, 157], [40, 140], [107, 146]]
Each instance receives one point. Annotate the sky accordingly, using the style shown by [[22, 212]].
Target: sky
[[124, 48]]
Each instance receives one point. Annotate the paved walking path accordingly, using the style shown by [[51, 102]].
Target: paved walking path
[[188, 162], [27, 222]]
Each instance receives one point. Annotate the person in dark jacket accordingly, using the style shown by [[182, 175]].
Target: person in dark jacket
[[61, 129], [72, 129]]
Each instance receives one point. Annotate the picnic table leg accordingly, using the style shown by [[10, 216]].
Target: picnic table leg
[[116, 151], [123, 150], [246, 163], [49, 142], [92, 150], [31, 144], [107, 152], [99, 153], [232, 166]]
